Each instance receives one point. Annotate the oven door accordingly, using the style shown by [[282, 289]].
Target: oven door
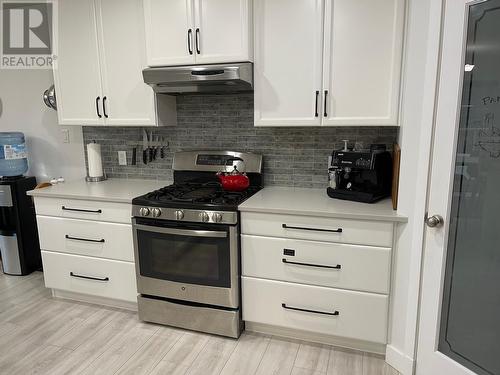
[[189, 262]]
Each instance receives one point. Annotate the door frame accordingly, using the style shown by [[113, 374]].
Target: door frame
[[440, 181]]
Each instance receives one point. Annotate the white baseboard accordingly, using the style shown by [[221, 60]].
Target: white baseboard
[[94, 299], [316, 337], [400, 361]]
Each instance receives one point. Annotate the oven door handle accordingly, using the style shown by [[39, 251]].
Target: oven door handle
[[181, 232]]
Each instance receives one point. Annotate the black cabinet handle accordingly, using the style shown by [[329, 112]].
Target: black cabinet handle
[[325, 114], [337, 267], [197, 41], [81, 210], [339, 230], [104, 106], [335, 313], [84, 239], [316, 114], [88, 277], [97, 106], [190, 41]]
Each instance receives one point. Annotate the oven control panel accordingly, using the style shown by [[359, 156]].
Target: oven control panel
[[197, 216]]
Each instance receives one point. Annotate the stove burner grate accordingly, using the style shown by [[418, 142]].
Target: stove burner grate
[[206, 193]]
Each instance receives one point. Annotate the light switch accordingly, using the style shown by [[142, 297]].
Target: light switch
[[122, 157], [65, 135]]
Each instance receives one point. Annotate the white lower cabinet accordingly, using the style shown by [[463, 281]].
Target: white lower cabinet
[[86, 275], [84, 209], [325, 279], [87, 250], [373, 233], [356, 315], [354, 267], [84, 237]]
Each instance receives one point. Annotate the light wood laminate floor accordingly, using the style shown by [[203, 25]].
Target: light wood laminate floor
[[43, 335]]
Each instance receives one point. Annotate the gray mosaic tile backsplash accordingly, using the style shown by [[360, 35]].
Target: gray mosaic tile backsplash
[[293, 156]]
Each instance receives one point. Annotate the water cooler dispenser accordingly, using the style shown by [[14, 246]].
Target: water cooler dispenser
[[19, 245]]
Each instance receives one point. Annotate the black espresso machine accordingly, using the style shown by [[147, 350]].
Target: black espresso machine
[[360, 175]]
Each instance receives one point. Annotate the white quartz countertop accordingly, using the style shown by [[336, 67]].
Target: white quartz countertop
[[112, 190], [315, 202]]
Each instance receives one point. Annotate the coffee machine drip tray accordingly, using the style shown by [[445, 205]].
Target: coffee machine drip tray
[[356, 196]]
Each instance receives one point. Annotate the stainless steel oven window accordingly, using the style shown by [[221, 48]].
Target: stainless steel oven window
[[210, 295], [192, 255]]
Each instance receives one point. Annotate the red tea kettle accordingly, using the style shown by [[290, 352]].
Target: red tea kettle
[[234, 180]]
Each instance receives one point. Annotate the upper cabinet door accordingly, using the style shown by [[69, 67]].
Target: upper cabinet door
[[76, 66], [288, 62], [127, 100], [362, 62], [169, 32], [223, 31]]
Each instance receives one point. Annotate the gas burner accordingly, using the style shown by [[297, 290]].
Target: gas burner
[[202, 193], [196, 194]]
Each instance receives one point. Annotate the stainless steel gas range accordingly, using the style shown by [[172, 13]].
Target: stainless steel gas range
[[186, 240]]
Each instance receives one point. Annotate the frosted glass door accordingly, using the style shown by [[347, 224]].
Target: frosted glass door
[[470, 315]]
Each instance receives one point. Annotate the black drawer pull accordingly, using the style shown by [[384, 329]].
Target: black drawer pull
[[197, 40], [104, 106], [337, 267], [335, 313], [325, 113], [97, 106], [88, 277], [190, 41], [84, 239], [316, 114], [81, 210], [339, 230]]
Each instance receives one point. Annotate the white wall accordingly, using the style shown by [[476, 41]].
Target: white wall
[[421, 65], [22, 109]]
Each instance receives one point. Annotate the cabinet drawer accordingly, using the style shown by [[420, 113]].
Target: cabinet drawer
[[316, 228], [84, 209], [356, 315], [84, 237], [97, 277], [321, 263]]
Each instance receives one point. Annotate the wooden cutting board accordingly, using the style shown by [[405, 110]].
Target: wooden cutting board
[[396, 160]]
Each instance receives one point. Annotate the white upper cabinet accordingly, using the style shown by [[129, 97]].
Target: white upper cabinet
[[98, 69], [362, 61], [184, 32], [288, 62], [223, 31], [76, 66], [354, 49], [127, 99], [169, 32]]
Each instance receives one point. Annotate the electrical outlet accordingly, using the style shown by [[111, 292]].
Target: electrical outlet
[[122, 157], [65, 135]]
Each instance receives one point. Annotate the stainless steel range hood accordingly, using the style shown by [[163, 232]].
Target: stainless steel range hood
[[218, 78]]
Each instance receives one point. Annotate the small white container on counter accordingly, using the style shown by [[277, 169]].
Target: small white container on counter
[[94, 162]]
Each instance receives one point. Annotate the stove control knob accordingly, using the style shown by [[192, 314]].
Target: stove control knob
[[179, 215], [144, 211], [156, 212], [217, 217], [204, 217]]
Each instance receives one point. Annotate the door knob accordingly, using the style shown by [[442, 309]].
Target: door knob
[[434, 221]]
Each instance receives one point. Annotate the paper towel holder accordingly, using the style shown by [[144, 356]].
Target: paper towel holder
[[96, 179], [96, 158]]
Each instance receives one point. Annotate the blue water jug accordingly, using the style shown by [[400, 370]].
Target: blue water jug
[[13, 154]]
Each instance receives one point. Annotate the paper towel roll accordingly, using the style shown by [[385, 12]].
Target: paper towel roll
[[94, 160]]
